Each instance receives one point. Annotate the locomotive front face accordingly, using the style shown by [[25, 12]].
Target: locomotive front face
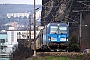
[[57, 36], [57, 33]]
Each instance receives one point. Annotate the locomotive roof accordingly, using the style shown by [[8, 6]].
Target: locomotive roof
[[54, 24]]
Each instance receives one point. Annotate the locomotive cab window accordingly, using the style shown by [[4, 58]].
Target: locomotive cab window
[[55, 29]]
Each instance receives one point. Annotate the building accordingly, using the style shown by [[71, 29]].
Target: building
[[5, 49], [9, 15], [38, 14], [5, 46], [3, 39], [9, 40], [14, 35]]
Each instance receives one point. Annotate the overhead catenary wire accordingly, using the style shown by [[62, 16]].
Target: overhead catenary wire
[[84, 3], [58, 14]]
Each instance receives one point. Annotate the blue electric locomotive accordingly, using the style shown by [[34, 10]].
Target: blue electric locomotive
[[55, 36]]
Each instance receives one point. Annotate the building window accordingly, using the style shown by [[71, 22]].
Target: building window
[[2, 40], [12, 36]]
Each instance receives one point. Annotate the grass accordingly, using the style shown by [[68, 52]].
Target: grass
[[68, 57], [53, 58], [80, 56]]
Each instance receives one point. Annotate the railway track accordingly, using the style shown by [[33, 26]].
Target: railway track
[[59, 53], [73, 55]]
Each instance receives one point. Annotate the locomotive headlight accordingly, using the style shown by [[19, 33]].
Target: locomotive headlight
[[49, 38], [67, 39], [58, 24]]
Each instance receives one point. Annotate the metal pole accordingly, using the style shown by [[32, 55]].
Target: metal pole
[[80, 31], [34, 29], [30, 30]]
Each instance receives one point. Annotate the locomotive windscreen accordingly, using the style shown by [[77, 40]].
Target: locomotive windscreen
[[55, 29]]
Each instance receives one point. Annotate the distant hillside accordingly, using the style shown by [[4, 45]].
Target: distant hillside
[[13, 8]]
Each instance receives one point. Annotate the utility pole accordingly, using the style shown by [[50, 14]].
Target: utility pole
[[30, 30], [80, 26], [34, 29], [77, 11], [80, 30]]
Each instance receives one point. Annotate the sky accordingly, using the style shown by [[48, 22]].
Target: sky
[[20, 2]]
